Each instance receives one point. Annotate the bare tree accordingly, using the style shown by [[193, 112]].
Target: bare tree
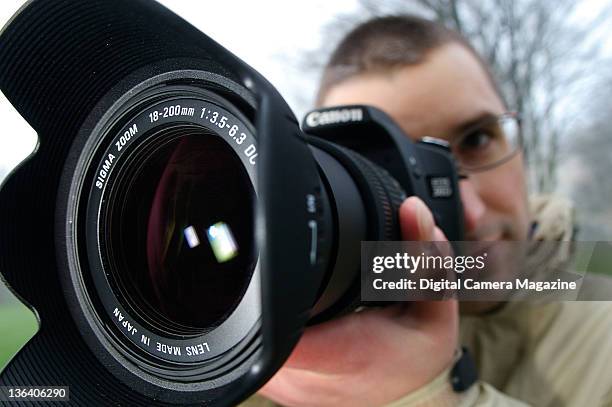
[[591, 147], [539, 56]]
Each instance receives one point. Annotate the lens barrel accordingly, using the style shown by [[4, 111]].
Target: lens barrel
[[365, 199]]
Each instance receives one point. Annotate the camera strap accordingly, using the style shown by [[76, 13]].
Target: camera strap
[[464, 373]]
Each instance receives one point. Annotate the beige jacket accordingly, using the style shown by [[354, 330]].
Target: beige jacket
[[554, 354]]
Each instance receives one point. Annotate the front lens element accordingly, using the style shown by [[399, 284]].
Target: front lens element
[[181, 231]]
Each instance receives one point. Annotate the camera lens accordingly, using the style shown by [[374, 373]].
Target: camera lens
[[181, 230]]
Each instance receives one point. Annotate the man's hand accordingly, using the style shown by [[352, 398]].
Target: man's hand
[[375, 356]]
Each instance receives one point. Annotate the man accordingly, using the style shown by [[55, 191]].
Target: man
[[432, 83]]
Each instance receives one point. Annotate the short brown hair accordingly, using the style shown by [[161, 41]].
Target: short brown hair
[[383, 44]]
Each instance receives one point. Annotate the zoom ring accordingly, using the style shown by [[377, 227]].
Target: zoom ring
[[389, 195]]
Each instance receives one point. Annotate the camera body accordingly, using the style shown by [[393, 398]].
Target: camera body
[[425, 168], [108, 85]]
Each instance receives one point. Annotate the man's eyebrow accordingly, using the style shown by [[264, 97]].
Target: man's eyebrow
[[473, 123]]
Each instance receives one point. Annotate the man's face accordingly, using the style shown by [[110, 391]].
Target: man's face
[[441, 97]]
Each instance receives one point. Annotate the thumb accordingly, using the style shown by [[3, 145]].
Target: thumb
[[416, 220]]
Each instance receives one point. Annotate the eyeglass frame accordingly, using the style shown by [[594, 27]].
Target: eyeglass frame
[[504, 116]]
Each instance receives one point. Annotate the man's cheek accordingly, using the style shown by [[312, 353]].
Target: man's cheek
[[505, 193]]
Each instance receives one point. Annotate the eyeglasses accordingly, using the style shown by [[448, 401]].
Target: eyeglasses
[[488, 144]]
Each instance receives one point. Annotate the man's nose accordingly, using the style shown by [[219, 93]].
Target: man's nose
[[473, 206]]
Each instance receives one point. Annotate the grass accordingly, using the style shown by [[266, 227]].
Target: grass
[[17, 325]]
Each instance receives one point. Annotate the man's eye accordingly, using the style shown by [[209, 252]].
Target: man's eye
[[476, 140]]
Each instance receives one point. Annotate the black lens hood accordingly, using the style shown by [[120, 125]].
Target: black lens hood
[[72, 67]]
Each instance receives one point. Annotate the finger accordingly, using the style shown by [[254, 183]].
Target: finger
[[442, 245], [438, 235], [416, 220]]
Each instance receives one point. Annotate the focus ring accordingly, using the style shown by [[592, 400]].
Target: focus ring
[[381, 196], [389, 194]]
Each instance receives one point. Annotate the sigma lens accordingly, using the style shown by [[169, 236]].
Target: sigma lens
[[178, 229]]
